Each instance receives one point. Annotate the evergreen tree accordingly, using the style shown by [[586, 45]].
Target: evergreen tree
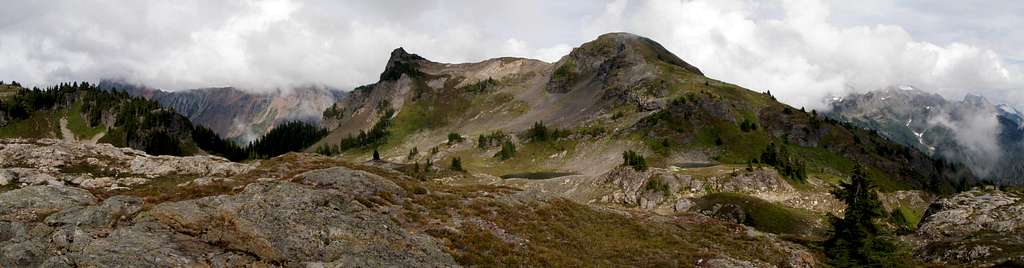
[[454, 138], [508, 150], [856, 241], [456, 165], [539, 132], [288, 137], [412, 154], [635, 160]]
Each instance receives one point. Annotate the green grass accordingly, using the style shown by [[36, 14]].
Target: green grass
[[77, 124], [46, 124], [761, 214], [566, 71], [431, 110], [529, 157], [907, 217], [41, 124]]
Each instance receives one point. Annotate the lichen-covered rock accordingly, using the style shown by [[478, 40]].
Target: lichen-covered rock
[[103, 215], [99, 166], [350, 182], [144, 244], [292, 223], [204, 181], [31, 203], [7, 177], [978, 227], [632, 187], [971, 212], [335, 217]]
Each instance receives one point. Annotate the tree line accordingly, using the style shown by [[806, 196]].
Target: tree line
[[143, 124]]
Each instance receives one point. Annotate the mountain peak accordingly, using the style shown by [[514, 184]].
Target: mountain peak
[[401, 62], [615, 58], [977, 100], [618, 43]]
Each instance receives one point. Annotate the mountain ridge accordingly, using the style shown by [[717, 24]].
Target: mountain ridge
[[237, 114], [984, 136], [627, 86]]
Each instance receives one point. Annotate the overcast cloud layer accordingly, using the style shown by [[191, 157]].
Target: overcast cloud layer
[[801, 50]]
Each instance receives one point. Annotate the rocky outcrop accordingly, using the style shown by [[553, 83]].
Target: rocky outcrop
[[32, 203], [322, 220], [99, 166], [978, 227], [657, 187]]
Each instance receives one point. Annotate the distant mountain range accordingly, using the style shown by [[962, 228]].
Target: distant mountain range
[[989, 138], [238, 114]]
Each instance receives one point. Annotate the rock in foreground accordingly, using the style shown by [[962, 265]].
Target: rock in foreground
[[978, 227]]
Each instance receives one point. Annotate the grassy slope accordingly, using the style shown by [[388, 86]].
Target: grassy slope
[[77, 124], [738, 147], [761, 214], [41, 124], [46, 124]]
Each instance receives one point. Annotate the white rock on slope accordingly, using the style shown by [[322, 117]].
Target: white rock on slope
[[55, 162]]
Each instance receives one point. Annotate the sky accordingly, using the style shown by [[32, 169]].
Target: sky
[[804, 51]]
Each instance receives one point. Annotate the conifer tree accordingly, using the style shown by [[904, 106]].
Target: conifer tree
[[456, 164], [856, 241]]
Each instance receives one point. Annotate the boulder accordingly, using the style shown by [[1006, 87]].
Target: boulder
[[350, 182], [103, 215], [34, 202], [291, 223], [7, 177], [981, 227]]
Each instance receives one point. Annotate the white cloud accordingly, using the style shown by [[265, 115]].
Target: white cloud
[[801, 56], [801, 50]]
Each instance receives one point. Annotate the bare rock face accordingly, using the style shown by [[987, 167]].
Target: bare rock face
[[333, 217], [99, 166], [982, 226], [291, 223], [645, 189], [103, 215], [31, 203]]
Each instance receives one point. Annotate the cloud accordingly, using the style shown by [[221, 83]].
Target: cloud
[[258, 45], [977, 132], [801, 50], [802, 57]]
